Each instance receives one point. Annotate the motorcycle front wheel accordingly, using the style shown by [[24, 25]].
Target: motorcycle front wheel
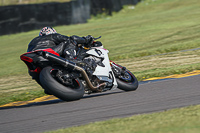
[[66, 93], [127, 82], [125, 79]]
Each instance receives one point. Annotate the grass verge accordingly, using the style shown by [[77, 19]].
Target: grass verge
[[183, 120]]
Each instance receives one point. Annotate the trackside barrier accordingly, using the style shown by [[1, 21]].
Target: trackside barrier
[[22, 18]]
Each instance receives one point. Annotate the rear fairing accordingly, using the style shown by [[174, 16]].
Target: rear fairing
[[31, 59]]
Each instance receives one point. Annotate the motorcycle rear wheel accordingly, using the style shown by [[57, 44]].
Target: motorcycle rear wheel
[[59, 90]]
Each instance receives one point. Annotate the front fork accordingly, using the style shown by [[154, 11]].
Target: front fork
[[117, 69]]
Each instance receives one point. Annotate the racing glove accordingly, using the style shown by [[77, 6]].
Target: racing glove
[[88, 41]]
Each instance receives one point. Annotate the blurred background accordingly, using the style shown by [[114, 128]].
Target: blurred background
[[25, 15]]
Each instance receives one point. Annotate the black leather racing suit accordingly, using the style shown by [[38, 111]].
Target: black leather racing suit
[[59, 43]]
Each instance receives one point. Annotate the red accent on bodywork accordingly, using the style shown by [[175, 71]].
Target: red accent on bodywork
[[51, 51], [115, 64], [25, 58], [37, 70], [28, 61]]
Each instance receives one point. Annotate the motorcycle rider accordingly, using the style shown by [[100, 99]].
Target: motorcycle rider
[[63, 45]]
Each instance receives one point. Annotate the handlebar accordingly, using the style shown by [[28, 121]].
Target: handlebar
[[97, 38]]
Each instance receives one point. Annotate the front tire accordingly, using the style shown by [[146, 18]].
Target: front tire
[[65, 93], [130, 83], [125, 79]]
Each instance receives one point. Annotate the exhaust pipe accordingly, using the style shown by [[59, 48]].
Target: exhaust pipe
[[85, 76], [59, 60], [73, 66]]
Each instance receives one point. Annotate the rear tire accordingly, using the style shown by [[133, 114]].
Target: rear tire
[[57, 89]]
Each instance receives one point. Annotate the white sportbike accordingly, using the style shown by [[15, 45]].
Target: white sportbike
[[91, 72]]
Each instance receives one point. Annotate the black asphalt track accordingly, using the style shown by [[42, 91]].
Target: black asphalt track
[[149, 97]]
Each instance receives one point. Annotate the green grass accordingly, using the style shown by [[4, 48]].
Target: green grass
[[162, 65], [137, 39], [131, 35], [183, 120]]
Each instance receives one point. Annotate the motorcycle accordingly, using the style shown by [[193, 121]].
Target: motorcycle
[[68, 80]]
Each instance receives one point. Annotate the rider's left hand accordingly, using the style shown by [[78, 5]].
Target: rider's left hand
[[88, 40]]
